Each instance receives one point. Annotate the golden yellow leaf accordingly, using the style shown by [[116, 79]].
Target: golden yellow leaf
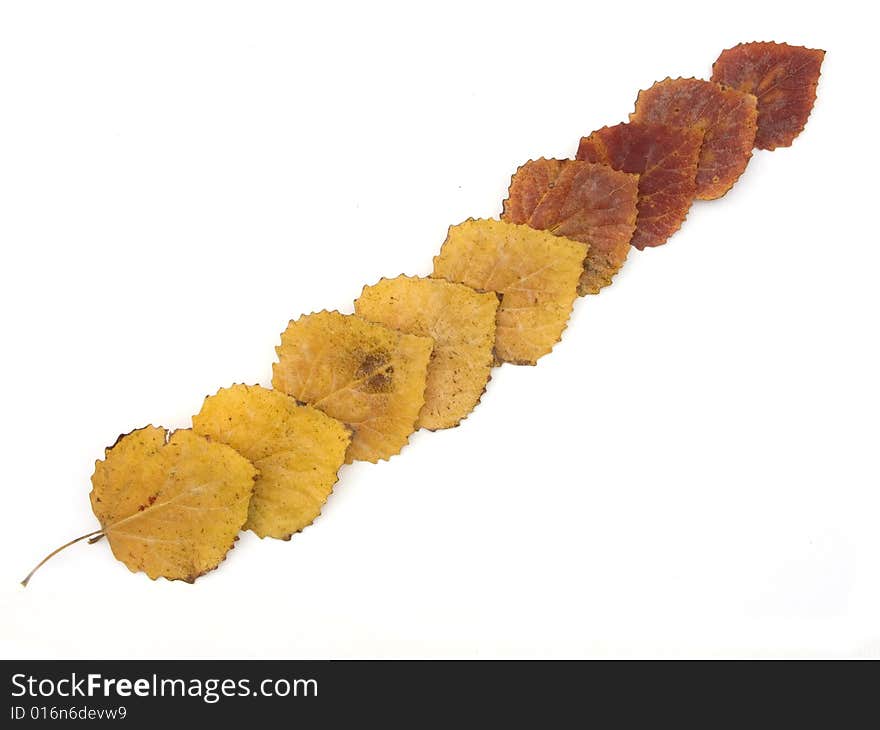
[[296, 449], [536, 273], [364, 374], [460, 320], [171, 506]]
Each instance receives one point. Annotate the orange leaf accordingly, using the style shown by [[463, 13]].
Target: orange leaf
[[783, 77], [728, 119], [665, 158], [581, 201]]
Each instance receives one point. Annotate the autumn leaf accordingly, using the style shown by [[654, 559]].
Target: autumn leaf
[[296, 449], [460, 320], [665, 158], [581, 201], [727, 117], [364, 374], [535, 272], [171, 506], [783, 78]]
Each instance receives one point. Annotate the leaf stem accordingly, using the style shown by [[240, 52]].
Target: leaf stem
[[96, 535]]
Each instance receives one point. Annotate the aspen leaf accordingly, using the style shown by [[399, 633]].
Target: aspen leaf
[[665, 159], [784, 80], [364, 374], [460, 320], [727, 117], [535, 272], [296, 449], [171, 505], [581, 201]]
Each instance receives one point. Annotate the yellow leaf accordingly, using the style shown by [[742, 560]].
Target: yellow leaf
[[296, 449], [460, 320], [536, 273], [171, 506], [364, 374]]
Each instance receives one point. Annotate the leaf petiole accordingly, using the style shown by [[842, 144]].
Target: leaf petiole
[[92, 538]]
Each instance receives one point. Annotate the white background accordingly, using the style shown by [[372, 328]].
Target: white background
[[692, 472]]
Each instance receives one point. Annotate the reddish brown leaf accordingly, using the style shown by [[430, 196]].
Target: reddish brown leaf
[[727, 118], [581, 201], [665, 158], [783, 77]]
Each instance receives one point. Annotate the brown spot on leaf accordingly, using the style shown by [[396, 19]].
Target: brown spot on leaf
[[371, 363], [380, 382]]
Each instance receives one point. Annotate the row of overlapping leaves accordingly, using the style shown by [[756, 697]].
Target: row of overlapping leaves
[[419, 351]]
